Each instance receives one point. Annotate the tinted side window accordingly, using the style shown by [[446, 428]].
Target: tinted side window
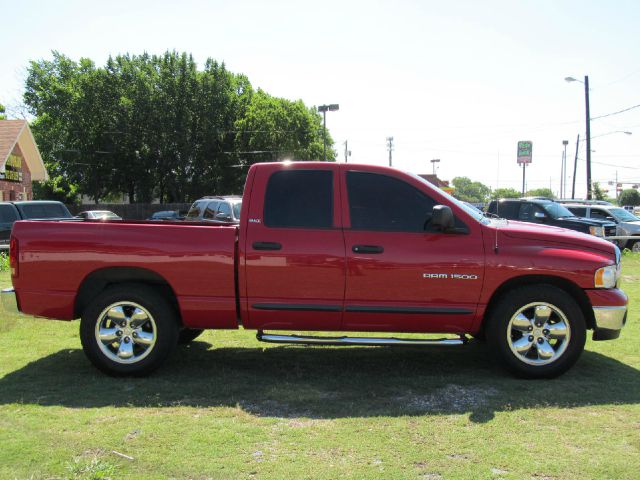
[[225, 209], [507, 209], [578, 211], [526, 212], [196, 210], [299, 198], [8, 214], [210, 211], [40, 210], [600, 214], [379, 202]]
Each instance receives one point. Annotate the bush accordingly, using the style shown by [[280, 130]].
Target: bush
[[4, 262]]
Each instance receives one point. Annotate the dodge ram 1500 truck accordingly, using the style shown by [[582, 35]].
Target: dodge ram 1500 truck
[[324, 247]]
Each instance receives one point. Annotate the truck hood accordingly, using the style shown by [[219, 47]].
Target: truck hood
[[631, 227], [592, 222], [549, 234]]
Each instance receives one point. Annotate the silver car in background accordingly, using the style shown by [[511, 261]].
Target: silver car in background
[[627, 224]]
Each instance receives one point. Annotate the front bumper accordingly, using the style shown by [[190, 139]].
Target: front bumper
[[9, 300], [608, 322]]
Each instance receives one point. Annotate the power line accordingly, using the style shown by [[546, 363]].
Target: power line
[[615, 113]]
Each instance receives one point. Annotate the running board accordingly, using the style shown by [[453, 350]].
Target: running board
[[365, 341]]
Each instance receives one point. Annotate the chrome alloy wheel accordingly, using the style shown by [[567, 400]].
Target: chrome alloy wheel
[[126, 332], [538, 333]]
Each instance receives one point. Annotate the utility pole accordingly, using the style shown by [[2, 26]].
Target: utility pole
[[347, 152], [390, 148], [575, 168]]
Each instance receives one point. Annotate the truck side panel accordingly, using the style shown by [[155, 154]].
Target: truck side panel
[[197, 262]]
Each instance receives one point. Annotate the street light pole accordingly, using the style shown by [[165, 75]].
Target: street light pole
[[588, 122], [433, 163], [563, 170], [324, 108]]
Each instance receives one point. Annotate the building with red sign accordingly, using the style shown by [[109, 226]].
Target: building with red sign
[[20, 161]]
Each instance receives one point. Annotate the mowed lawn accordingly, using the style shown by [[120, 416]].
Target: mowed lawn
[[230, 407]]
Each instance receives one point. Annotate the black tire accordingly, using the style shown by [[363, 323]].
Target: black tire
[[635, 246], [188, 335], [549, 344], [142, 326]]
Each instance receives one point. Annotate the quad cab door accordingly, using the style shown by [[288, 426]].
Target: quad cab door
[[294, 261], [403, 274]]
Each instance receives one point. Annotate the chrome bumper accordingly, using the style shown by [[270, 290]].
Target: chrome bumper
[[9, 302], [609, 322]]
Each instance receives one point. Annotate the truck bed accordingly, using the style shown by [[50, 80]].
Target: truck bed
[[61, 267]]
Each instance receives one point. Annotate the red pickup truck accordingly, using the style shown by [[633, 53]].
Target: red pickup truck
[[324, 247]]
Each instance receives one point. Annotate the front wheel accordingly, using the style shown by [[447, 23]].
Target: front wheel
[[537, 331], [128, 330]]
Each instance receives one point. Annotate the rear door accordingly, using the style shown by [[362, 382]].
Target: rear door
[[403, 275], [294, 250]]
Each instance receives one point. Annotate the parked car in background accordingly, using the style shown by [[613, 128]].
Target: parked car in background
[[10, 212], [627, 224], [167, 215], [98, 215], [546, 211], [220, 209]]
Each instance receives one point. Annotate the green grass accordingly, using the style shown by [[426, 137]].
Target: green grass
[[227, 407]]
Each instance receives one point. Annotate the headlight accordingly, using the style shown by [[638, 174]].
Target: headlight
[[607, 277], [597, 231]]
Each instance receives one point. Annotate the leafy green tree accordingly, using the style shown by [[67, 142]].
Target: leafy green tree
[[469, 191], [598, 192], [629, 196], [157, 127], [2, 114], [540, 192], [505, 193]]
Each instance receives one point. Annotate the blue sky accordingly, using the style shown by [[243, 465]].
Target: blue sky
[[461, 81]]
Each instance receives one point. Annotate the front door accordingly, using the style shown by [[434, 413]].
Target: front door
[[402, 274]]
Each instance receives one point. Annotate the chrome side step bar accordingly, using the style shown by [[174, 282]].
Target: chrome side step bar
[[365, 341]]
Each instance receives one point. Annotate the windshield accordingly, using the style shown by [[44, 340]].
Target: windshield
[[555, 210], [623, 215], [472, 211]]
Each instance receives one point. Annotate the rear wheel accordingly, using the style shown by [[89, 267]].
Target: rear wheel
[[537, 331], [635, 246], [128, 330]]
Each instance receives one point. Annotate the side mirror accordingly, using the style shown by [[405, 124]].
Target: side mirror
[[442, 217], [223, 216]]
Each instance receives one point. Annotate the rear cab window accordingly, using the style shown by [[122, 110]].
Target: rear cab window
[[299, 199]]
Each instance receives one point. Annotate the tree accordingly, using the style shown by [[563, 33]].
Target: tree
[[505, 193], [540, 192], [469, 191], [2, 114], [630, 196], [157, 127], [598, 192]]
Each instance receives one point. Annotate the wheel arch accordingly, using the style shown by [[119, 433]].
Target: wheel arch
[[569, 287], [98, 280]]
